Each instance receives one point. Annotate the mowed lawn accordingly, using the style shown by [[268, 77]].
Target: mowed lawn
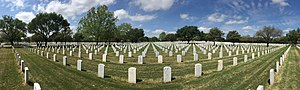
[[53, 75], [289, 75], [10, 74]]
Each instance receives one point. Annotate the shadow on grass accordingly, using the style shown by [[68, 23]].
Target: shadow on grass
[[106, 76], [139, 80], [30, 83]]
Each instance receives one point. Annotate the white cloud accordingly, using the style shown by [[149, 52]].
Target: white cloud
[[216, 17], [249, 28], [236, 21], [123, 14], [282, 3], [154, 5], [14, 4], [187, 17], [25, 16], [72, 8], [204, 29]]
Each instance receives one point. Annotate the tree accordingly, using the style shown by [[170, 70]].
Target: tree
[[136, 34], [153, 39], [293, 36], [78, 37], [233, 36], [215, 34], [268, 33], [47, 24], [162, 36], [98, 24], [36, 38], [12, 29], [187, 33], [171, 37], [200, 36], [122, 31]]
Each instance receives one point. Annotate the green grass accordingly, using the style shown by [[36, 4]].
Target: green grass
[[10, 74], [53, 75], [289, 75]]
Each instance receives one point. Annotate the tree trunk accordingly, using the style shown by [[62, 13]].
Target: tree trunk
[[214, 42], [267, 44], [12, 43]]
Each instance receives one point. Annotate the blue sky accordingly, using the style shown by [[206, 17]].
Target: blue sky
[[156, 16]]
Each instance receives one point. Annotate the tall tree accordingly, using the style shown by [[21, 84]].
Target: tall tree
[[98, 24], [215, 34], [162, 36], [136, 34], [171, 37], [77, 37], [187, 33], [12, 29], [268, 33], [122, 31], [293, 36], [233, 36], [47, 24]]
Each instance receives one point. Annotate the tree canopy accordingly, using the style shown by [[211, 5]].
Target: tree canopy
[[12, 29], [268, 33], [215, 34], [233, 36], [48, 24], [187, 33], [98, 24], [136, 34]]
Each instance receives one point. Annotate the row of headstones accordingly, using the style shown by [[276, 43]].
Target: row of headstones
[[25, 70], [272, 71]]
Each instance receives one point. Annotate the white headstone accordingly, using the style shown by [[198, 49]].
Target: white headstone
[[144, 54], [36, 86], [235, 61], [91, 56], [229, 53], [277, 66], [170, 53], [260, 87], [140, 59], [65, 60], [26, 74], [79, 66], [104, 57], [160, 59], [198, 70], [221, 54], [71, 53], [167, 74], [54, 57], [209, 56], [183, 53], [132, 75], [195, 57], [179, 58], [79, 54], [272, 76], [117, 53], [129, 54], [22, 65], [253, 55], [245, 58], [220, 65], [121, 59], [101, 70], [47, 55]]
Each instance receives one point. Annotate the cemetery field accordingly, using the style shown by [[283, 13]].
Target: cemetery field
[[289, 75], [247, 74], [10, 74]]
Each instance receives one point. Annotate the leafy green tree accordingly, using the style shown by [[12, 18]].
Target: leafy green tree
[[171, 37], [268, 33], [153, 39], [187, 33], [78, 37], [37, 38], [47, 24], [233, 36], [162, 36], [201, 36], [215, 34], [293, 36], [122, 31], [12, 29], [98, 24], [136, 34]]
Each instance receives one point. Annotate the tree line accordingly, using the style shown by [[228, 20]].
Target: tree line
[[99, 25]]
